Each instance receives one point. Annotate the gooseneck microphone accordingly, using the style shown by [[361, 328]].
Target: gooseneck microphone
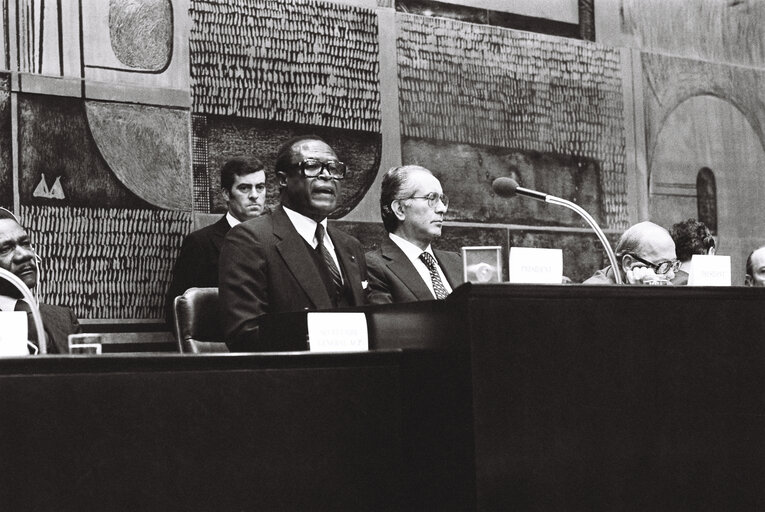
[[508, 187]]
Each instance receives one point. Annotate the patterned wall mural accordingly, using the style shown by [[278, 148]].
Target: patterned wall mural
[[117, 160], [303, 67], [508, 92]]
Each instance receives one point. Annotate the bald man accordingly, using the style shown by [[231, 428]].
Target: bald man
[[646, 255], [755, 268]]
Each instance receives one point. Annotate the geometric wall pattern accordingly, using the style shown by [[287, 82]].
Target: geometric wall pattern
[[305, 62], [491, 86], [105, 262]]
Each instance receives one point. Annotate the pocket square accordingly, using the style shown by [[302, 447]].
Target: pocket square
[[364, 285]]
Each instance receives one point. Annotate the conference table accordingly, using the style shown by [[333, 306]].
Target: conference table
[[502, 397]]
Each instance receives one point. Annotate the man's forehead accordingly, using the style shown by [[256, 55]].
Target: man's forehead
[[313, 147], [10, 228], [252, 177], [758, 258]]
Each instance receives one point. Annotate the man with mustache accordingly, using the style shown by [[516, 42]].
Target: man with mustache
[[243, 185], [406, 268], [291, 260], [18, 257]]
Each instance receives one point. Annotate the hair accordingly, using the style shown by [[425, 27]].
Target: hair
[[749, 266], [691, 237], [393, 182], [238, 166], [286, 151]]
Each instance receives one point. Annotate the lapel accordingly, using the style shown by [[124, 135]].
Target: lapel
[[453, 274], [400, 265], [56, 328], [294, 252], [351, 271], [219, 231]]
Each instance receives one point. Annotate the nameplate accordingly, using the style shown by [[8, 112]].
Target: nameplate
[[536, 266], [709, 271], [337, 332], [13, 334]]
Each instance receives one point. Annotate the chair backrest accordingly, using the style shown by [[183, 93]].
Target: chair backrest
[[197, 321]]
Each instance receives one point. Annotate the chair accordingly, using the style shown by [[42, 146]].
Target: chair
[[197, 321]]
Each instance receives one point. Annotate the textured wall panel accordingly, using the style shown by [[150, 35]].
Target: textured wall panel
[[106, 263], [147, 148], [302, 61], [490, 86], [141, 32], [6, 167]]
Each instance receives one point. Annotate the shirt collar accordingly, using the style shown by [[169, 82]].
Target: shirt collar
[[412, 251], [306, 227], [232, 221]]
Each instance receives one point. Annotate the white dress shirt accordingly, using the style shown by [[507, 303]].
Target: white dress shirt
[[232, 221], [306, 227], [413, 253]]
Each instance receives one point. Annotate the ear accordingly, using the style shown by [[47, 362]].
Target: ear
[[398, 210], [226, 194], [626, 262], [748, 280], [282, 177]]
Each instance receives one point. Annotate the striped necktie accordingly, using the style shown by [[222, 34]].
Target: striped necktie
[[327, 257], [438, 286]]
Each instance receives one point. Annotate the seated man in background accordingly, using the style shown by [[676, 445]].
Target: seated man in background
[[18, 257], [406, 268], [755, 268], [243, 185], [646, 255], [691, 237], [290, 260]]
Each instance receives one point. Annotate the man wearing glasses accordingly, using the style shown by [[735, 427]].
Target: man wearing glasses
[[406, 268], [646, 255], [290, 260]]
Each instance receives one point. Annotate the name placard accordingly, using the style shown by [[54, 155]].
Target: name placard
[[709, 271], [337, 332], [13, 333], [536, 266]]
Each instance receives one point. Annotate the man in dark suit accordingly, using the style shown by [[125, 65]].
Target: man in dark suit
[[18, 257], [406, 268], [290, 260], [243, 185]]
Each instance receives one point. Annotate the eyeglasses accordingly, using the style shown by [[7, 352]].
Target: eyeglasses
[[311, 168], [660, 268], [433, 199]]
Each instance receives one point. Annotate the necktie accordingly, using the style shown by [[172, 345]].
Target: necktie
[[438, 286], [327, 257], [31, 329]]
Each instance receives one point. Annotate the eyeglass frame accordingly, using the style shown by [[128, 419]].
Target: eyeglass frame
[[674, 265], [432, 198], [302, 164]]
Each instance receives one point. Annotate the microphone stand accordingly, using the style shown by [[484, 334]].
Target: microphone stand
[[601, 236], [19, 284]]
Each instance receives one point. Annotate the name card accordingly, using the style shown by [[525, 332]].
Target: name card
[[709, 271], [13, 333], [337, 332], [536, 266]]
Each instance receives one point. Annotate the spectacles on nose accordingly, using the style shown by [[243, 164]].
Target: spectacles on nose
[[660, 268], [311, 168], [433, 199]]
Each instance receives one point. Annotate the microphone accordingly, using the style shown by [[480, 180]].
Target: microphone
[[508, 187]]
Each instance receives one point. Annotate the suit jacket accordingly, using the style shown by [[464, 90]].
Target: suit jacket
[[265, 267], [197, 263], [59, 323], [393, 278]]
